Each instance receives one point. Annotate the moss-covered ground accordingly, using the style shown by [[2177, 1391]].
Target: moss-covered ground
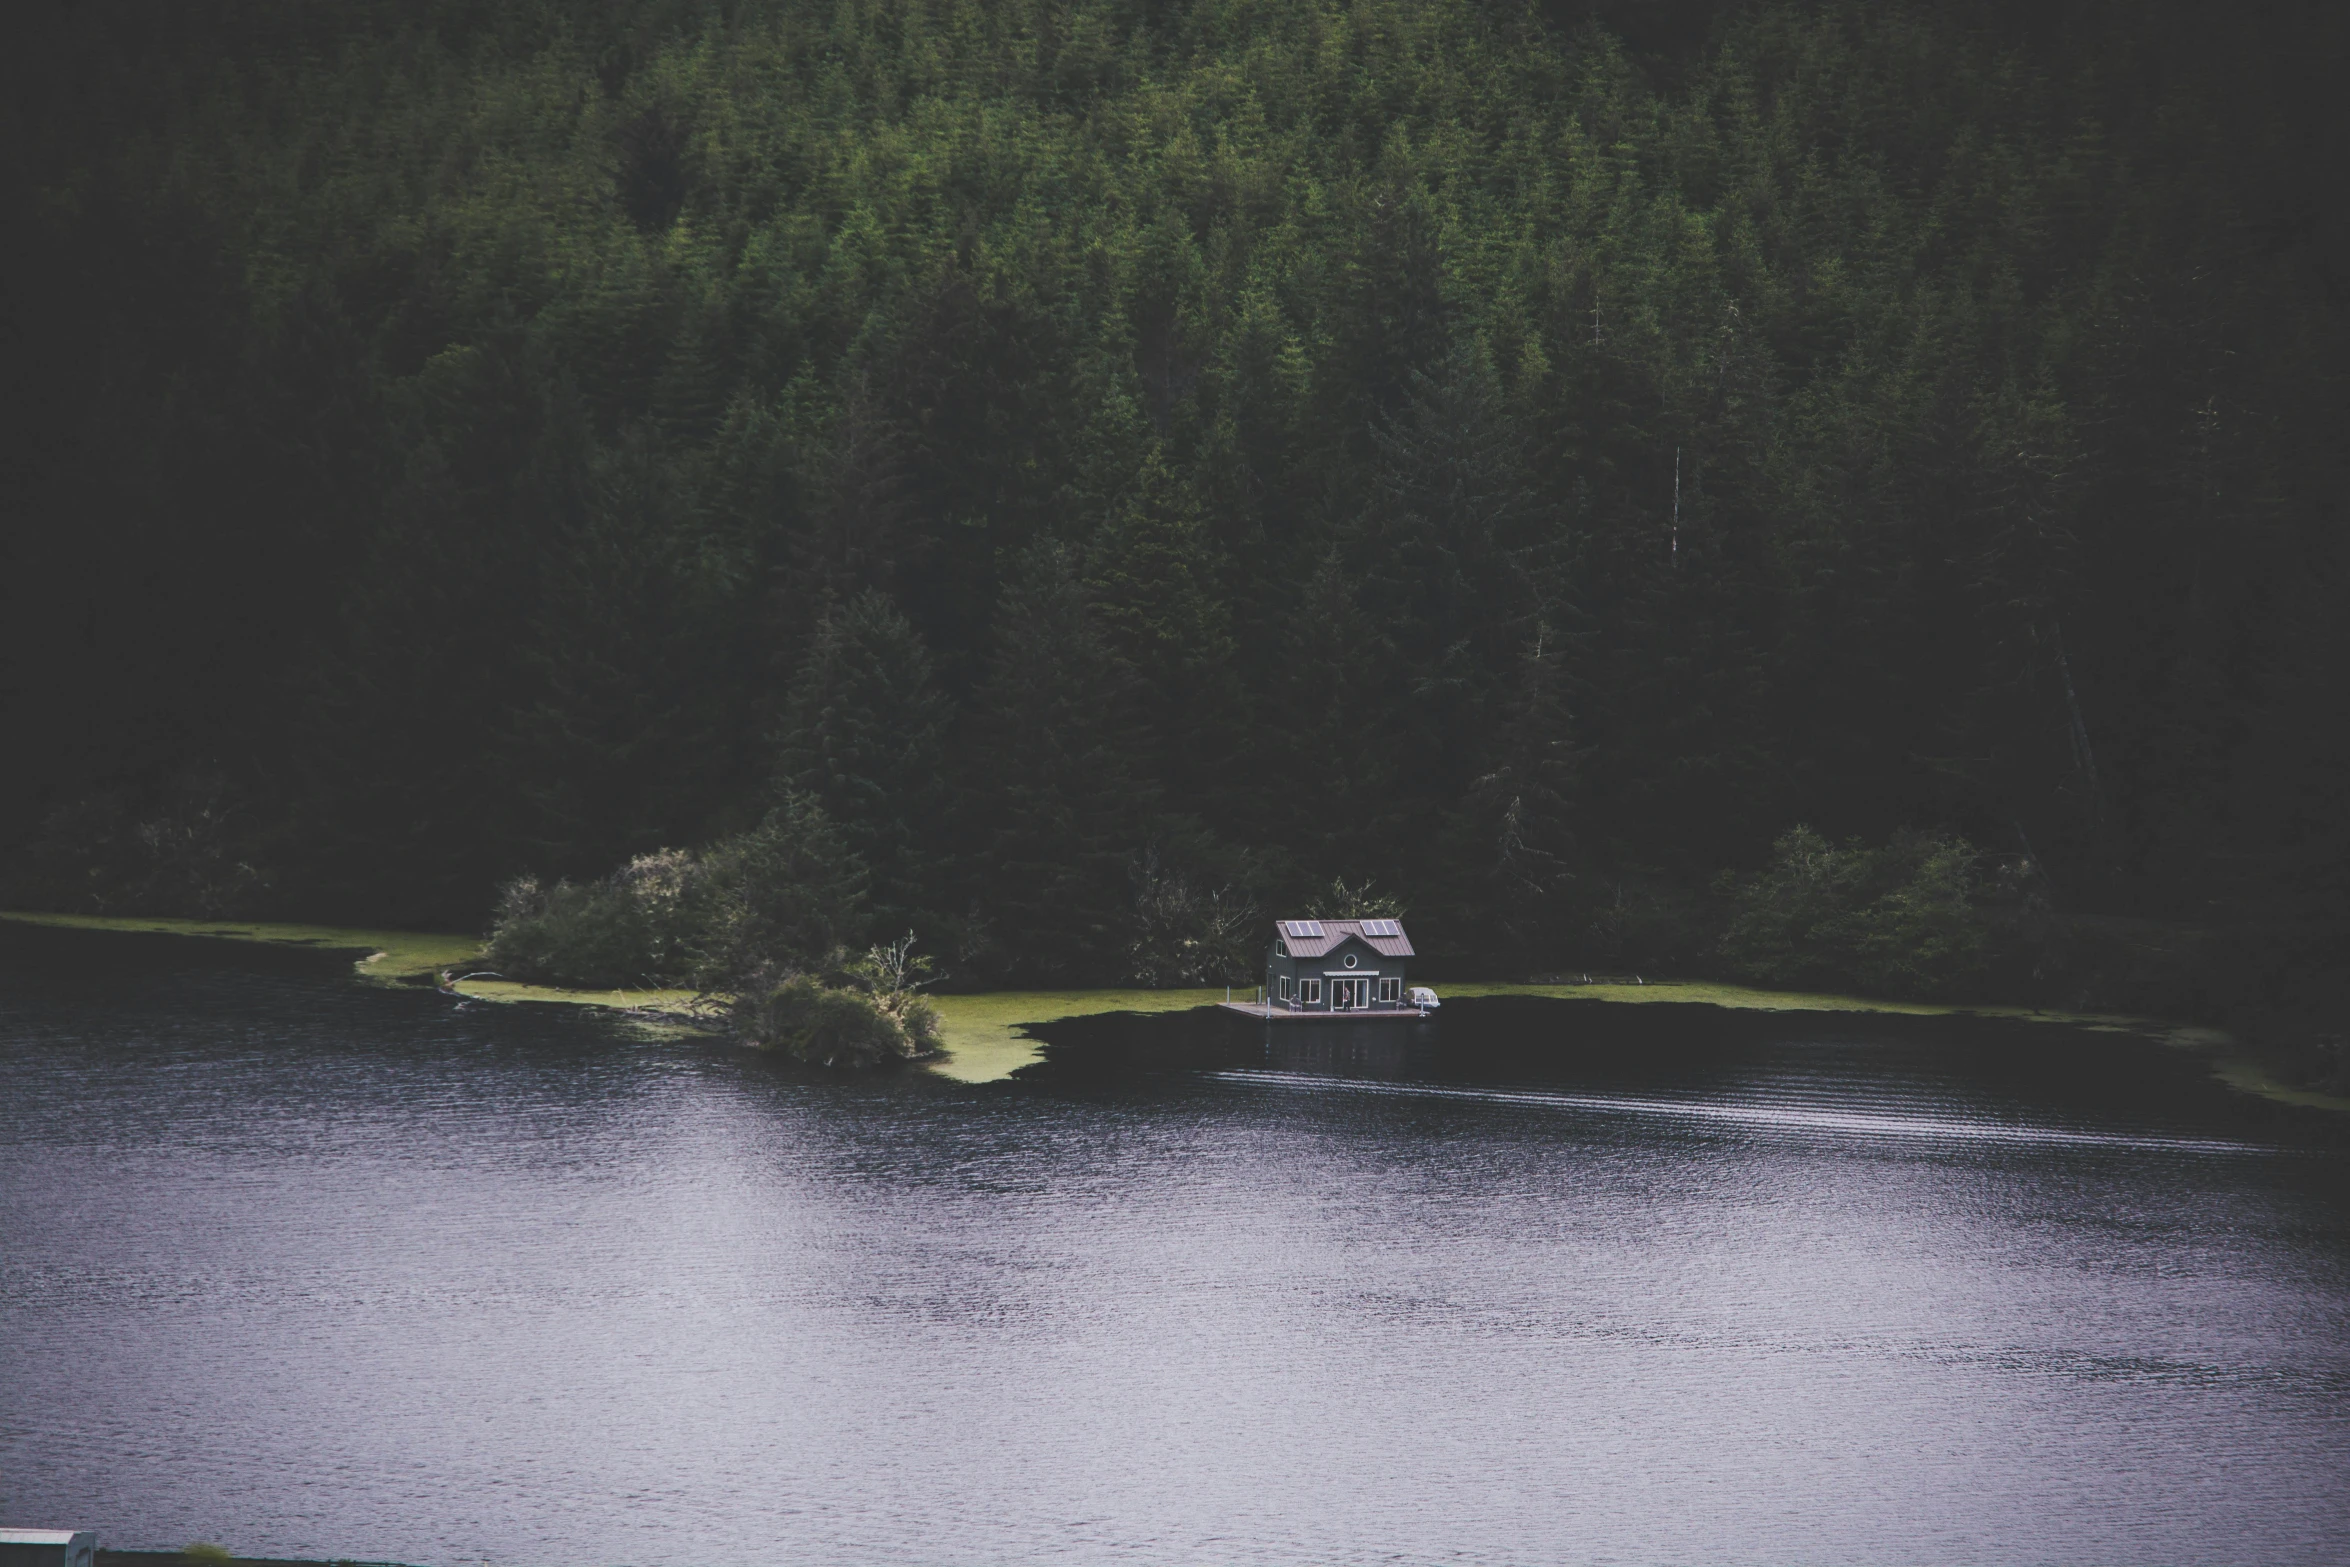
[[383, 956], [983, 1031], [986, 1035]]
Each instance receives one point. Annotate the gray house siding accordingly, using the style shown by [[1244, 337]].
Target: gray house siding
[[1353, 975]]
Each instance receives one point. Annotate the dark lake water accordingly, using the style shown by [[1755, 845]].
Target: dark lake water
[[316, 1270]]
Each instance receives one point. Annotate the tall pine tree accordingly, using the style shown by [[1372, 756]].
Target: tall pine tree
[[1517, 819], [864, 732], [1153, 576], [1060, 807]]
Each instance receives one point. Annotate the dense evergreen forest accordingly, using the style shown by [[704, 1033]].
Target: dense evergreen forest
[[1129, 463]]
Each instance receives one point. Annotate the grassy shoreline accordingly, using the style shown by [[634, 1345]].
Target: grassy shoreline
[[984, 1031]]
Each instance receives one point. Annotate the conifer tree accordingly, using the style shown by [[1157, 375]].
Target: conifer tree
[[1059, 807], [1324, 727], [854, 498], [864, 733], [1519, 815], [1461, 534], [1152, 575], [628, 732]]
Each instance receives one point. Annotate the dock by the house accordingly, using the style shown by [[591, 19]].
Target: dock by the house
[[1266, 1013]]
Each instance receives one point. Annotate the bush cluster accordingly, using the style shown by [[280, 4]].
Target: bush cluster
[[642, 927], [764, 919], [1925, 916], [183, 846], [861, 1014], [788, 890]]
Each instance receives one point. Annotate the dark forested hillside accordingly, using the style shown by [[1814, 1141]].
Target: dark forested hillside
[[1125, 458]]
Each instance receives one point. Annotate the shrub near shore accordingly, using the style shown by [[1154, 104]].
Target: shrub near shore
[[1925, 916], [867, 1013], [761, 922]]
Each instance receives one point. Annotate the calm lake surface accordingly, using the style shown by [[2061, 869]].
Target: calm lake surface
[[316, 1270]]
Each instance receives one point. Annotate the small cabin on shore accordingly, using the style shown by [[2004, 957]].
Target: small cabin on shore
[[1338, 966]]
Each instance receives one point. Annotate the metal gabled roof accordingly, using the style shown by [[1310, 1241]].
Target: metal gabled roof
[[1313, 938]]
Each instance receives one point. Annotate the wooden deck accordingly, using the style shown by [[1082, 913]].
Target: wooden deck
[[1279, 1014]]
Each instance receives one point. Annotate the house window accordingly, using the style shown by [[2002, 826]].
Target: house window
[[1309, 991], [1285, 987], [1391, 990]]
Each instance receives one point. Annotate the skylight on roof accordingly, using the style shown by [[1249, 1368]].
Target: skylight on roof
[[1381, 928], [1303, 930]]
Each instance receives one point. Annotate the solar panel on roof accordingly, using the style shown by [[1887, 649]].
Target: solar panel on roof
[[1303, 930], [1381, 928]]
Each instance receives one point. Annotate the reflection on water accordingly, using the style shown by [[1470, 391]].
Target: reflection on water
[[324, 1271], [1394, 1051], [1777, 1117]]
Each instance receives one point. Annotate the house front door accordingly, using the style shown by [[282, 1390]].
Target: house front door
[[1349, 995]]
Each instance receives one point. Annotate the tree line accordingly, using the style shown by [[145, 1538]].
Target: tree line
[[1125, 464]]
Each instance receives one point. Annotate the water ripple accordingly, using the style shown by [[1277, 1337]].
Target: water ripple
[[1760, 1114]]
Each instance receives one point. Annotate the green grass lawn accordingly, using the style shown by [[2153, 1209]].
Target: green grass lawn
[[985, 1036], [385, 956]]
